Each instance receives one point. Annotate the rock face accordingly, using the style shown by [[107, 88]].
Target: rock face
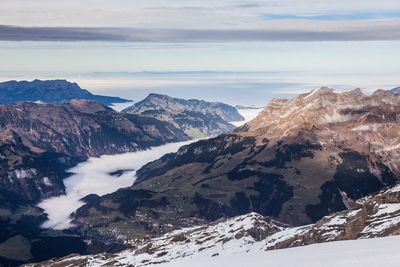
[[52, 91], [290, 163], [197, 118]]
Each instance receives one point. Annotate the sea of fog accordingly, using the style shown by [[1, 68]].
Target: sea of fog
[[94, 176], [97, 176]]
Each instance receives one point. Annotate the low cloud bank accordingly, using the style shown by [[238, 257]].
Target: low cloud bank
[[93, 177]]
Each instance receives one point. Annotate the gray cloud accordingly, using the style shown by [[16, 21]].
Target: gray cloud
[[12, 33]]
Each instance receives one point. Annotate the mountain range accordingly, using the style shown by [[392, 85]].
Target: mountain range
[[40, 141], [320, 167], [49, 91], [197, 118], [289, 163]]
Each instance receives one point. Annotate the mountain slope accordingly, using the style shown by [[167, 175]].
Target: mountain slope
[[51, 91], [253, 235], [370, 252], [38, 143], [291, 163], [197, 118], [84, 128]]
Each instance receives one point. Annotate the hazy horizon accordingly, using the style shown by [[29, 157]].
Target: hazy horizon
[[241, 52]]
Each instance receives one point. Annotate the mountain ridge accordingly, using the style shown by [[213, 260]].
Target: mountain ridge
[[377, 215], [49, 91], [197, 118]]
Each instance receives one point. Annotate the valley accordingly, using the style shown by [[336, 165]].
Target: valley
[[255, 133], [97, 177]]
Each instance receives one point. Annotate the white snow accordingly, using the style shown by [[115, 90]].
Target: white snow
[[382, 252], [93, 177], [388, 216]]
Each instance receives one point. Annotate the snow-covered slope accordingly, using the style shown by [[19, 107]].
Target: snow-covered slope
[[366, 253], [252, 236]]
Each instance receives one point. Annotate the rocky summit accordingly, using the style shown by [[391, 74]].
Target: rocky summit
[[49, 91], [196, 117], [291, 163]]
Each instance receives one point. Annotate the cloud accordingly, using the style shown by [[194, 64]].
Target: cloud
[[93, 177], [359, 33]]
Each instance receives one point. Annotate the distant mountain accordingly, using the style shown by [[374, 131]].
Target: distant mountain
[[395, 90], [196, 117], [51, 91], [290, 163]]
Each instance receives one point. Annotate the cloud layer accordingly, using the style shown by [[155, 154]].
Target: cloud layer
[[205, 21], [360, 33], [93, 177]]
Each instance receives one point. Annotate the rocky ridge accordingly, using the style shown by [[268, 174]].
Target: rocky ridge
[[377, 215], [196, 117]]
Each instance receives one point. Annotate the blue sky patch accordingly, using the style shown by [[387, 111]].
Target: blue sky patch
[[335, 17]]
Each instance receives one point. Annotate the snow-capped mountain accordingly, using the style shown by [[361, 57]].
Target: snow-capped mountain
[[253, 235]]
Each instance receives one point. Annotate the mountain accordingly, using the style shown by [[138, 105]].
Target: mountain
[[51, 91], [395, 90], [38, 143], [196, 117], [377, 215], [290, 163], [252, 235]]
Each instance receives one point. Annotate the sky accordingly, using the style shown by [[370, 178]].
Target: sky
[[106, 44]]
